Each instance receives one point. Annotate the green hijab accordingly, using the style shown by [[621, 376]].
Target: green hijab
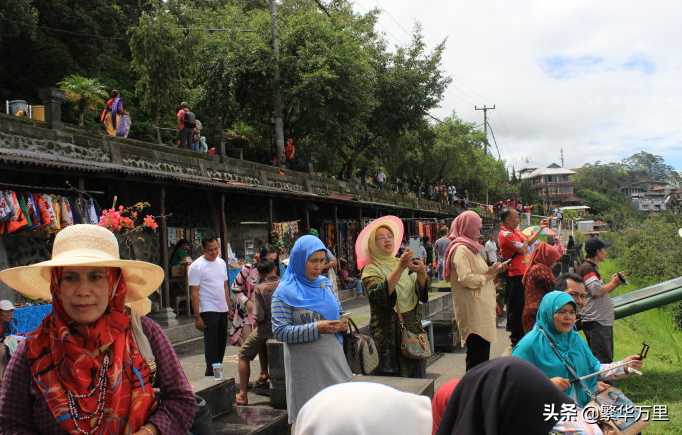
[[534, 347], [381, 265]]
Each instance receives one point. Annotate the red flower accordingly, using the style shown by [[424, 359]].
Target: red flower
[[150, 222]]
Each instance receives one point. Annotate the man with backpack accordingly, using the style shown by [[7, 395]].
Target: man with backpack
[[187, 120]]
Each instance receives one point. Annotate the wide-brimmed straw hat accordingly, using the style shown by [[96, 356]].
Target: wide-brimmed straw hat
[[394, 223], [84, 246]]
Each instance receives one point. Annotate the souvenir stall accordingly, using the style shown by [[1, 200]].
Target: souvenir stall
[[348, 232], [284, 235]]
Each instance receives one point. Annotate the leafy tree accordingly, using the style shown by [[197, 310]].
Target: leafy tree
[[652, 166], [85, 93], [18, 18], [162, 60]]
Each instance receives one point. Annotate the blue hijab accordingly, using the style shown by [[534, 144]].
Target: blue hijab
[[535, 348], [296, 290]]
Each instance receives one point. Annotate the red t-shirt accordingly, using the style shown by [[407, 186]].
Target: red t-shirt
[[508, 240], [181, 119]]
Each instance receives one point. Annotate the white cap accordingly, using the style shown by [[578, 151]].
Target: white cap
[[680, 232], [6, 305]]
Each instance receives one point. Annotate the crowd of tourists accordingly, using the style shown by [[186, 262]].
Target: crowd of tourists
[[98, 365]]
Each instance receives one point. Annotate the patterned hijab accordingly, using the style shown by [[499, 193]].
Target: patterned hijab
[[381, 265], [69, 361], [543, 254], [464, 231]]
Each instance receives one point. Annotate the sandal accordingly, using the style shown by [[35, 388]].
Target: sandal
[[262, 382]]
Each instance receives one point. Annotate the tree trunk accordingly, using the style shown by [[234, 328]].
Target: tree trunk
[[157, 121]]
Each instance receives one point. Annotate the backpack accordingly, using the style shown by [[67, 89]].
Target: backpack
[[190, 119]]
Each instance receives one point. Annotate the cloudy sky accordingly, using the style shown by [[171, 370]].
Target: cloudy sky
[[602, 79]]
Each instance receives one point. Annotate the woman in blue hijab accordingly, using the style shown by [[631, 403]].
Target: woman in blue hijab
[[561, 354], [306, 317]]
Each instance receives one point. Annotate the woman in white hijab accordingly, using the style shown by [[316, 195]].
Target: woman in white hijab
[[364, 408]]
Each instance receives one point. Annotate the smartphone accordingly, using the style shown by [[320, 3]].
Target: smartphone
[[505, 262], [645, 350], [346, 315], [621, 277]]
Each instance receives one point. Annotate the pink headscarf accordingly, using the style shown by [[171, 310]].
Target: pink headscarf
[[464, 231]]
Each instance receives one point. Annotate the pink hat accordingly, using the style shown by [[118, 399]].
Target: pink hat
[[394, 223]]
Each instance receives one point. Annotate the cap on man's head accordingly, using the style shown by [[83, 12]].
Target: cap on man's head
[[6, 305], [593, 245], [184, 104]]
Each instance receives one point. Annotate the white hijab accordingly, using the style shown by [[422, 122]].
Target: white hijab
[[364, 408]]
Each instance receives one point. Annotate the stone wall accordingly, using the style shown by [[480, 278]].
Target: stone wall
[[30, 142]]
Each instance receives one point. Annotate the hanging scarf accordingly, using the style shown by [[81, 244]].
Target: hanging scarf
[[464, 231], [68, 357], [502, 396], [535, 348], [543, 254], [296, 290], [382, 265]]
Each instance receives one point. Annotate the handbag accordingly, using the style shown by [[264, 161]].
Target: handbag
[[202, 424], [413, 345], [360, 350]]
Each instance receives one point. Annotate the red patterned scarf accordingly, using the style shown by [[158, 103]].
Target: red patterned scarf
[[68, 362]]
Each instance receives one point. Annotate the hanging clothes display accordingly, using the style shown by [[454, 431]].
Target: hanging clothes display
[[286, 232], [33, 211]]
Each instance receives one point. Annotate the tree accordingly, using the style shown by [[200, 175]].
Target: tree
[[85, 93], [162, 60], [652, 166]]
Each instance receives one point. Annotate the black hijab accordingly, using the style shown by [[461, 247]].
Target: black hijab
[[503, 396]]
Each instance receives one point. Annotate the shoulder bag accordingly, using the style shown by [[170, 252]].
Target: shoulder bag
[[361, 351], [413, 345], [202, 424]]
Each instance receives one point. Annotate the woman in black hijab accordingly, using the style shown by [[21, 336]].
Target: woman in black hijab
[[502, 396]]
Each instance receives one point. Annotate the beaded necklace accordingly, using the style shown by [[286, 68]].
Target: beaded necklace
[[101, 388]]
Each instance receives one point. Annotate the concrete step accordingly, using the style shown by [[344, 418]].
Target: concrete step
[[218, 394], [193, 346], [182, 332]]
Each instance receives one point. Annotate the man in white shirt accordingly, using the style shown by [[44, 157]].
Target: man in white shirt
[[210, 301], [490, 249]]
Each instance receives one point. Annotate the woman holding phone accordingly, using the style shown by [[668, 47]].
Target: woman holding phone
[[473, 287], [394, 286]]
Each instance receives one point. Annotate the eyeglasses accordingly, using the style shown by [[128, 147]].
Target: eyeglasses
[[384, 238]]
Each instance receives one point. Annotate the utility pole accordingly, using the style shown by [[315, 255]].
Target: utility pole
[[562, 157], [485, 123], [277, 97]]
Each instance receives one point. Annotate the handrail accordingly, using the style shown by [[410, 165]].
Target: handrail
[[653, 296]]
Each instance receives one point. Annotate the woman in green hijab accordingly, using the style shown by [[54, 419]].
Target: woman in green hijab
[[562, 355], [393, 285]]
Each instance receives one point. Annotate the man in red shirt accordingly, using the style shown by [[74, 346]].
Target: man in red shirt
[[514, 246]]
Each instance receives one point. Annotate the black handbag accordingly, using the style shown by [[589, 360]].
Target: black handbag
[[360, 350]]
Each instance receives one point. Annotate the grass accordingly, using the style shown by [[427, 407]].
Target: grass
[[662, 380]]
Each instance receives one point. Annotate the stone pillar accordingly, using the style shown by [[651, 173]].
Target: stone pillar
[[52, 99], [270, 219]]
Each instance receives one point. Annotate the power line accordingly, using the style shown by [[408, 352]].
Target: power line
[[499, 156]]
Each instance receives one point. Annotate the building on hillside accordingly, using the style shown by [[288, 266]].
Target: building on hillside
[[673, 201], [554, 185], [649, 195]]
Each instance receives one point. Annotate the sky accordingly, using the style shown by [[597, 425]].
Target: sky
[[600, 79]]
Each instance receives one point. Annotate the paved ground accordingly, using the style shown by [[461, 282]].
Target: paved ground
[[448, 366]]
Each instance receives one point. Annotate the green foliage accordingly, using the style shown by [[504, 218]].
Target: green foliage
[[650, 250], [85, 93], [653, 167], [18, 19], [161, 55]]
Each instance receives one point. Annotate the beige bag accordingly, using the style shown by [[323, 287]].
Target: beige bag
[[613, 398]]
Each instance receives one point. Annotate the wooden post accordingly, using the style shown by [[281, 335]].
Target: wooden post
[[307, 217], [270, 219], [163, 228], [223, 227], [337, 238]]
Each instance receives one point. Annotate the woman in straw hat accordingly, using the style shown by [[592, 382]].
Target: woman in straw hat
[[473, 287], [85, 370], [393, 285]]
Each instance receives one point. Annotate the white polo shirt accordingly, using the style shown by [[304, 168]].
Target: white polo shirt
[[210, 277]]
